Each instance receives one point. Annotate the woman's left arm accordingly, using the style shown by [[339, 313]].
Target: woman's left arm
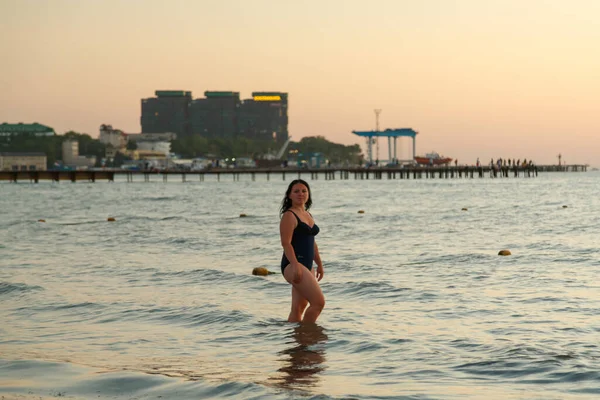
[[320, 271]]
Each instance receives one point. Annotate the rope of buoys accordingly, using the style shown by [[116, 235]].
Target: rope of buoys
[[262, 271], [41, 220], [242, 215], [464, 209], [564, 206], [111, 219], [504, 253], [361, 211]]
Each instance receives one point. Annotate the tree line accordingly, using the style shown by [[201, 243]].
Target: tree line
[[186, 147], [52, 145], [336, 153], [197, 146]]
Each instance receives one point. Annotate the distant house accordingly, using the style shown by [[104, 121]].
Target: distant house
[[33, 161], [153, 142], [35, 129], [71, 157], [116, 141]]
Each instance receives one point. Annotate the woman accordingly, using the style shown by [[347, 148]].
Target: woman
[[298, 229]]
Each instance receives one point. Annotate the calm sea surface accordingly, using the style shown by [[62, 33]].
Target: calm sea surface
[[162, 301]]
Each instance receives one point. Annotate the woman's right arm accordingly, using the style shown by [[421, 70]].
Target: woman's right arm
[[286, 231]]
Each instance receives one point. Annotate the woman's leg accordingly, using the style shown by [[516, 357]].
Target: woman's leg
[[309, 289], [299, 304]]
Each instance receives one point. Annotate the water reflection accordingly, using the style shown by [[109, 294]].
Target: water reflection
[[305, 358]]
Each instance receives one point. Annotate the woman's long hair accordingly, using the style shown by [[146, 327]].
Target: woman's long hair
[[287, 202]]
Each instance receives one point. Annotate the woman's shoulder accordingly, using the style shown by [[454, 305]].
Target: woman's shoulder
[[289, 215]]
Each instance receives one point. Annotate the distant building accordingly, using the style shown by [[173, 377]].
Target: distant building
[[35, 129], [148, 137], [115, 138], [71, 157], [148, 143], [169, 111], [148, 155], [215, 116], [23, 161], [70, 151], [265, 116], [221, 114], [160, 147]]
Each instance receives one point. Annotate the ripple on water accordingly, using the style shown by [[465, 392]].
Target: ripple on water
[[13, 289]]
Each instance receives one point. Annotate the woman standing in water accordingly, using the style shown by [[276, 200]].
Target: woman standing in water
[[298, 230]]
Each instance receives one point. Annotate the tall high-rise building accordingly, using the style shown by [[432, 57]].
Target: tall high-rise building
[[169, 111], [265, 116], [220, 114], [215, 116]]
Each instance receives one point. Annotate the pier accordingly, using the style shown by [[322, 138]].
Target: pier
[[390, 173]]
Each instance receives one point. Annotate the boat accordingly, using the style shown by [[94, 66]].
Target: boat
[[432, 158]]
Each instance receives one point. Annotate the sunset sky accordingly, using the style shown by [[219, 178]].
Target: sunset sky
[[475, 78]]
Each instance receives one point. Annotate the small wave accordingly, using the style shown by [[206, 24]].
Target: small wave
[[7, 287], [567, 377], [367, 289], [172, 218], [176, 241], [506, 369], [158, 218], [189, 317], [545, 366], [160, 198], [192, 318], [79, 309], [543, 299], [365, 347], [81, 222], [449, 259], [153, 381], [77, 305], [398, 341], [209, 276], [471, 346], [197, 274], [10, 224]]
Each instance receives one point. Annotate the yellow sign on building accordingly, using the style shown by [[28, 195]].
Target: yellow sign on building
[[267, 98]]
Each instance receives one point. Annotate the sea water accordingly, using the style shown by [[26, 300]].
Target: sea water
[[162, 303]]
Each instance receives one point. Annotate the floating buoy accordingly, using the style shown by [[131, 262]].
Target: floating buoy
[[242, 215], [564, 206], [361, 211], [41, 220], [464, 209], [504, 253], [262, 271], [110, 219]]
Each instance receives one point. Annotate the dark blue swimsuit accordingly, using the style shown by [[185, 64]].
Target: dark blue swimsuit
[[303, 242]]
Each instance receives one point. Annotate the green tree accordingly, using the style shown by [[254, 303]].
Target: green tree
[[88, 146], [334, 152], [197, 146], [25, 143]]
